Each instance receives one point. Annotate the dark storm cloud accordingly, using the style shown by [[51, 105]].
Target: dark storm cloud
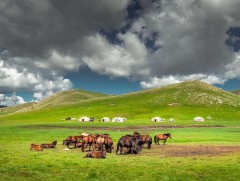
[[31, 28]]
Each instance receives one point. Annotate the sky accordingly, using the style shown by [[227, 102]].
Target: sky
[[115, 46]]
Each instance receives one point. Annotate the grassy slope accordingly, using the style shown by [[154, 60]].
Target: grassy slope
[[182, 101], [61, 98]]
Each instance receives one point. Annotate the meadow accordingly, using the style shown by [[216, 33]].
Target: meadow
[[159, 163]]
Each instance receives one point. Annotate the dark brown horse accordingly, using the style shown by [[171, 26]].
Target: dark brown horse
[[49, 145], [146, 139], [128, 141], [163, 137], [108, 143]]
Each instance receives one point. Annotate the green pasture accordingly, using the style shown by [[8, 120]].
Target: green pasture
[[17, 162], [135, 114]]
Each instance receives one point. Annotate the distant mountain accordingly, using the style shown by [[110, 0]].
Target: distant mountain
[[1, 106]]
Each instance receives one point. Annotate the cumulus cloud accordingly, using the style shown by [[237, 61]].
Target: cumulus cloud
[[120, 60], [24, 75], [10, 100], [166, 80]]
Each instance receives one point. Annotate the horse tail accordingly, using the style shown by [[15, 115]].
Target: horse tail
[[155, 139], [118, 145]]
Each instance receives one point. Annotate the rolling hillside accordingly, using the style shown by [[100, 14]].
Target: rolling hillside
[[68, 97], [64, 97], [182, 101]]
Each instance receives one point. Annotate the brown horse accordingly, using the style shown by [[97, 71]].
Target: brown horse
[[49, 145], [128, 141], [100, 142], [108, 144], [88, 140], [96, 154], [146, 139], [163, 137], [36, 147], [72, 140]]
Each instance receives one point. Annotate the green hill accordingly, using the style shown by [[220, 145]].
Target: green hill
[[68, 97], [182, 101], [64, 97]]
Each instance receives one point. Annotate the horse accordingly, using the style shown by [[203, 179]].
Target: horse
[[96, 154], [100, 142], [130, 142], [146, 139], [36, 147], [49, 145], [136, 134], [163, 137], [88, 140], [108, 143], [72, 140]]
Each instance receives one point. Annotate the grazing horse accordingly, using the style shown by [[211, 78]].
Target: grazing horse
[[49, 145], [108, 143], [163, 137], [36, 147], [88, 140], [130, 142], [100, 142], [146, 139], [96, 154], [72, 140]]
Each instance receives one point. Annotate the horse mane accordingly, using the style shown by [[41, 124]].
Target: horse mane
[[166, 134]]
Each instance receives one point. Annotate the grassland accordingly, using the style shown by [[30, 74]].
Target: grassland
[[19, 163], [198, 151]]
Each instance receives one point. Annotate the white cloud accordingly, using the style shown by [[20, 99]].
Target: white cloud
[[59, 62], [173, 79], [120, 60], [10, 100], [21, 74], [47, 88], [233, 69]]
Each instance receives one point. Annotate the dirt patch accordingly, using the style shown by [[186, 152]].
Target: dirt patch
[[190, 151]]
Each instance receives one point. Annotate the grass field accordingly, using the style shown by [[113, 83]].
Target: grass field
[[19, 163]]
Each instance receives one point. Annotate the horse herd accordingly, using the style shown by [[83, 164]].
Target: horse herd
[[98, 145]]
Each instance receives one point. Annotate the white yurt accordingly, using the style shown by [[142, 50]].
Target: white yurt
[[171, 120], [105, 119], [157, 119], [84, 119], [198, 119], [118, 119]]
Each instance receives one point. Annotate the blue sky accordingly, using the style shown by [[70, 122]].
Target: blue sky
[[115, 47]]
